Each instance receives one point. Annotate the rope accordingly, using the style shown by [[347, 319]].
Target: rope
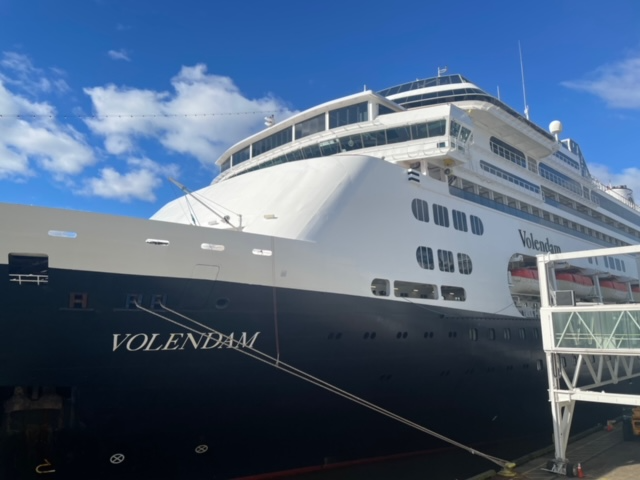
[[279, 364], [127, 115]]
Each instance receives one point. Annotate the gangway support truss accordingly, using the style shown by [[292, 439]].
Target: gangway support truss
[[587, 346]]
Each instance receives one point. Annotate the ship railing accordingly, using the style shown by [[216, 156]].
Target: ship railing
[[604, 188], [28, 278]]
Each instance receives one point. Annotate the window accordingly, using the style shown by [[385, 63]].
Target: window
[[507, 151], [133, 300], [78, 300], [157, 301], [415, 290], [507, 334], [352, 142], [380, 287], [420, 209], [454, 294], [28, 268], [440, 215], [464, 264], [459, 220], [445, 261], [523, 334], [397, 135], [424, 255], [476, 225], [225, 165], [509, 177], [348, 115], [473, 334], [272, 141], [311, 126], [492, 334], [241, 156]]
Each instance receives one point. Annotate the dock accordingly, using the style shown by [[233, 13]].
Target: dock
[[602, 454]]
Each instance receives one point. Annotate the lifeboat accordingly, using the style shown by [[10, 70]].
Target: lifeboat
[[580, 284], [525, 281], [614, 291]]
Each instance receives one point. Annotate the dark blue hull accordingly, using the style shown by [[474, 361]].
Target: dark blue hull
[[100, 377]]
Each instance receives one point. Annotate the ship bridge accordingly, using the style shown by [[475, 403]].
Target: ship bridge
[[588, 347]]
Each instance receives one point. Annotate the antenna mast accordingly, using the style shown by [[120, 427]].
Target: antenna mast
[[524, 92]]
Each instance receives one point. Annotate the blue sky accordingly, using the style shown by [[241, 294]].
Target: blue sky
[[102, 100]]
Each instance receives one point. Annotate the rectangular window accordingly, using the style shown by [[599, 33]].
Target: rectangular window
[[455, 294], [464, 264], [374, 139], [445, 261], [352, 142], [398, 135], [424, 255], [348, 115], [272, 141], [241, 156], [225, 165], [78, 301], [415, 290], [440, 215], [459, 220], [311, 126]]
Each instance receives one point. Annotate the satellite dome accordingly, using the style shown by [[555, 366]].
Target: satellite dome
[[555, 127]]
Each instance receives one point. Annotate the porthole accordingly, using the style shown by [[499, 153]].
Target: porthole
[[222, 303], [492, 334]]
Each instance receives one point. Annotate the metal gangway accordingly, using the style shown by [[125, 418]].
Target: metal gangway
[[588, 345]]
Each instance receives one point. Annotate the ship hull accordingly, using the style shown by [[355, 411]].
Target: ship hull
[[136, 384]]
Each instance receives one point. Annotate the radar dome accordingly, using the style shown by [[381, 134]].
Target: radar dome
[[555, 127]]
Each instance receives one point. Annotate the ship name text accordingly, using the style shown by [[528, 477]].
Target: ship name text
[[535, 244], [154, 342]]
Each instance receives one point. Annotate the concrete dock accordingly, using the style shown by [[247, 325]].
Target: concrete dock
[[603, 455]]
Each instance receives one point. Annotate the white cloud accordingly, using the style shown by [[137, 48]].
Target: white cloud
[[618, 84], [29, 133], [119, 55], [137, 184], [203, 115], [23, 75], [629, 177]]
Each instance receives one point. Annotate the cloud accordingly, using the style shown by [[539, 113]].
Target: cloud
[[202, 116], [30, 134], [137, 184], [618, 84], [119, 55], [19, 72], [629, 177]]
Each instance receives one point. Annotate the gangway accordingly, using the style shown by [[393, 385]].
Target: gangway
[[602, 340]]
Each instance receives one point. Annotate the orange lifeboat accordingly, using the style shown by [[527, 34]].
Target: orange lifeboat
[[580, 284], [525, 281], [614, 291]]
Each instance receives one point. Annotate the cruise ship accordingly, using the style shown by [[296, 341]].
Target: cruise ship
[[383, 243]]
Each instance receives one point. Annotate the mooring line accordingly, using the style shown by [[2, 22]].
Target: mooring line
[[279, 364]]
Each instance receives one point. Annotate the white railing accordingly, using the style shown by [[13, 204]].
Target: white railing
[[28, 278]]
